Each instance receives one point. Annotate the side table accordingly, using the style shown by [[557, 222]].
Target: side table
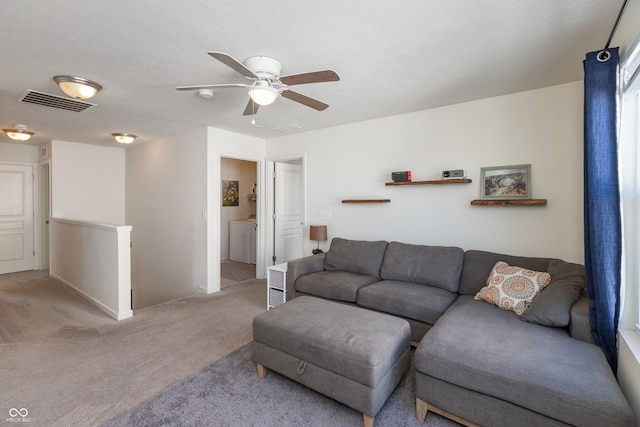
[[276, 285]]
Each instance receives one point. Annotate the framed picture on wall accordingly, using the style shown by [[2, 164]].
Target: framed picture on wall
[[505, 182], [230, 193]]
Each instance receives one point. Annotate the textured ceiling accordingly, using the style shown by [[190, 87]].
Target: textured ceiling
[[392, 57]]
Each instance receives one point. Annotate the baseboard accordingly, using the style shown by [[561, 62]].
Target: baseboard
[[112, 313]]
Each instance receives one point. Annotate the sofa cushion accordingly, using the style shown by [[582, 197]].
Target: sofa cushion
[[479, 347], [511, 287], [335, 285], [355, 256], [478, 264], [438, 266], [552, 306], [410, 300]]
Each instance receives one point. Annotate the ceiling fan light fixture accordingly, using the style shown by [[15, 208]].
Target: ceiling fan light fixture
[[77, 87], [262, 93], [124, 138], [20, 133]]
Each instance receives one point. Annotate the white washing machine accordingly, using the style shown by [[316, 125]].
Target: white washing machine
[[242, 241]]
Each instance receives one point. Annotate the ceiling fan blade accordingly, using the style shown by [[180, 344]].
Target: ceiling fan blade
[[312, 77], [231, 62], [215, 86], [251, 108], [305, 100]]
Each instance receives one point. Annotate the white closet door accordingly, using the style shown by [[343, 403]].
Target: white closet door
[[16, 218]]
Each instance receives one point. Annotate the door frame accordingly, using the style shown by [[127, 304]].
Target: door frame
[[242, 196], [42, 202], [213, 217], [269, 228]]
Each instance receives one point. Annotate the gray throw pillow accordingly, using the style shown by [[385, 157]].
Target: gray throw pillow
[[552, 306], [355, 256]]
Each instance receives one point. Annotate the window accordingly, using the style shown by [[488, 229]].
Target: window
[[630, 187]]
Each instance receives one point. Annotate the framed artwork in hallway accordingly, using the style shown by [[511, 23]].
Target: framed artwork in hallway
[[230, 194]]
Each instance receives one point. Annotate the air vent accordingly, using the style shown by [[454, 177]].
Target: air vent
[[288, 128], [54, 101]]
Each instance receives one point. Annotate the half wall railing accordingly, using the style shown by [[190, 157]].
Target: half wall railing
[[94, 260]]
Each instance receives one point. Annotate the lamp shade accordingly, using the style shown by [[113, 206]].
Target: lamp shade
[[318, 232], [262, 93], [77, 87], [18, 134]]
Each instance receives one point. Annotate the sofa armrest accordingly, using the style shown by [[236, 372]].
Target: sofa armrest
[[579, 325], [300, 267]]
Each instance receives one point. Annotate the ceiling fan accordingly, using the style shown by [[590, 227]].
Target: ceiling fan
[[267, 84]]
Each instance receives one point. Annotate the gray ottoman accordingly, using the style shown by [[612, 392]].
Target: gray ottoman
[[350, 354]]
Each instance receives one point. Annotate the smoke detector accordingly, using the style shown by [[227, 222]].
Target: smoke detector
[[205, 93]]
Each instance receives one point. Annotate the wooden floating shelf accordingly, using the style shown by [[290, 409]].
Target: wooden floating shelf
[[433, 182], [366, 201], [509, 202]]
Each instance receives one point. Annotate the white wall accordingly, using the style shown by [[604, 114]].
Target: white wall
[[19, 153], [245, 173], [94, 260], [541, 127], [88, 182], [166, 199], [173, 203], [90, 255]]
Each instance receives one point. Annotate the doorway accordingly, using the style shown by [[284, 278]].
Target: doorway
[[238, 221]]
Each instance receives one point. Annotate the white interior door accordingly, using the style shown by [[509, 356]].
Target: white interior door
[[16, 218], [289, 212]]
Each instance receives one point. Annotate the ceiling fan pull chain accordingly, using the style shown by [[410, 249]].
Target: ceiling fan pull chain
[[253, 116]]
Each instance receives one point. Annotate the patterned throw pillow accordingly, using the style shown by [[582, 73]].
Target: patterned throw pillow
[[512, 288]]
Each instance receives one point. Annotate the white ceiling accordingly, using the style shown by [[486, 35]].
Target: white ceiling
[[392, 57]]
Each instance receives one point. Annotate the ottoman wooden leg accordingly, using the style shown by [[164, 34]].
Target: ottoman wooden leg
[[421, 410], [262, 371], [403, 381], [368, 420]]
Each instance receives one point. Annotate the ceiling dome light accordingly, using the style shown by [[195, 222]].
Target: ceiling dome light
[[20, 133], [262, 93], [77, 87], [124, 138]]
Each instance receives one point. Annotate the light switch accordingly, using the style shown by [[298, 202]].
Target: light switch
[[324, 214]]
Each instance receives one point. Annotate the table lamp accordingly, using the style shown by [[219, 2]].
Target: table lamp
[[318, 233]]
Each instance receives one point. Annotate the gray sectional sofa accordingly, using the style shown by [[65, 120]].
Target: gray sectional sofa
[[475, 362]]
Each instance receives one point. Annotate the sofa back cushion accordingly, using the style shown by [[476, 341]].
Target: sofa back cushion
[[552, 306], [355, 256], [437, 266], [478, 264]]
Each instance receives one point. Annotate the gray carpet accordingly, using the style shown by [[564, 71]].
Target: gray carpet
[[69, 364], [229, 393], [237, 271]]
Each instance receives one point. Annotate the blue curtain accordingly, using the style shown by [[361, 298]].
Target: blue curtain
[[602, 219]]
